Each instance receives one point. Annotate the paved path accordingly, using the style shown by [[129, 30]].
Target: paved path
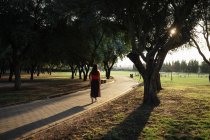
[[21, 119]]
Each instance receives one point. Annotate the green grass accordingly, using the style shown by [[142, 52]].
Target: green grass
[[178, 79], [184, 79], [184, 113]]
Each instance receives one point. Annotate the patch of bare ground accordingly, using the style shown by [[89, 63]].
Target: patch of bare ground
[[39, 89]]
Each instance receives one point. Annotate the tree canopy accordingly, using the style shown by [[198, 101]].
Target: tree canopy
[[80, 33]]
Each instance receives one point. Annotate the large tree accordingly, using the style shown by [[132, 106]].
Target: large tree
[[154, 28], [192, 66], [15, 30], [205, 68], [200, 36], [113, 47], [20, 26]]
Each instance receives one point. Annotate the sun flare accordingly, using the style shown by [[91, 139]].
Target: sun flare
[[172, 31]]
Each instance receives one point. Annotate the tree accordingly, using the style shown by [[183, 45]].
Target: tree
[[154, 28], [193, 66], [113, 47], [183, 66], [200, 36], [16, 24], [205, 68], [176, 66], [166, 67], [21, 22]]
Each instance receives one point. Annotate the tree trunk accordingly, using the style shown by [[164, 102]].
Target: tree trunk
[[158, 82], [17, 75], [2, 69], [11, 71], [85, 72], [72, 71], [50, 71], [80, 73], [72, 74], [32, 75], [38, 70], [1, 72], [32, 69], [28, 70], [150, 91], [151, 76], [75, 71], [108, 66], [108, 72]]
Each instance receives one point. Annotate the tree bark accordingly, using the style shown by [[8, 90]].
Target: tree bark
[[2, 68], [17, 76], [32, 69], [11, 71], [150, 92], [80, 71], [151, 76], [16, 66], [85, 71], [108, 73], [158, 82], [38, 70], [108, 68], [72, 71]]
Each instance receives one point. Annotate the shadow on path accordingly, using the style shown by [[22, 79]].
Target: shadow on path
[[132, 126], [24, 108], [12, 134]]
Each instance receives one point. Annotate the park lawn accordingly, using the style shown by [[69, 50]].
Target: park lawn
[[184, 113]]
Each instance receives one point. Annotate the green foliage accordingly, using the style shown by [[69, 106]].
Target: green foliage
[[205, 68], [183, 66], [193, 66]]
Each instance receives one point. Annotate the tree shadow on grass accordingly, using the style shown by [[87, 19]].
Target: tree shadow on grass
[[132, 126], [17, 132]]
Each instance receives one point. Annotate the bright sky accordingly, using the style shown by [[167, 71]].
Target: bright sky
[[186, 54], [180, 54]]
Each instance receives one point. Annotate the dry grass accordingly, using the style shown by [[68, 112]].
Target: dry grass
[[180, 115]]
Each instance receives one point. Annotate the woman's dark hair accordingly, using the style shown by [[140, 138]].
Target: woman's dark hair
[[94, 69]]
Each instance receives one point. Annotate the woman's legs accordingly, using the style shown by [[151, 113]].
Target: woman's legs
[[93, 100]]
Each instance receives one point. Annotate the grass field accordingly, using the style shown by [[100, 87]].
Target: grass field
[[184, 113], [43, 86]]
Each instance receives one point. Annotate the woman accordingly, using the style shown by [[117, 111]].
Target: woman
[[95, 82]]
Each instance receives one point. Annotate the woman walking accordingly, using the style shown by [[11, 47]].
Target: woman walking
[[95, 82]]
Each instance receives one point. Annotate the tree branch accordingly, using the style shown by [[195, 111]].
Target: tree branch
[[200, 52]]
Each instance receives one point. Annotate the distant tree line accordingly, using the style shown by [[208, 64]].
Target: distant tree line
[[191, 67]]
